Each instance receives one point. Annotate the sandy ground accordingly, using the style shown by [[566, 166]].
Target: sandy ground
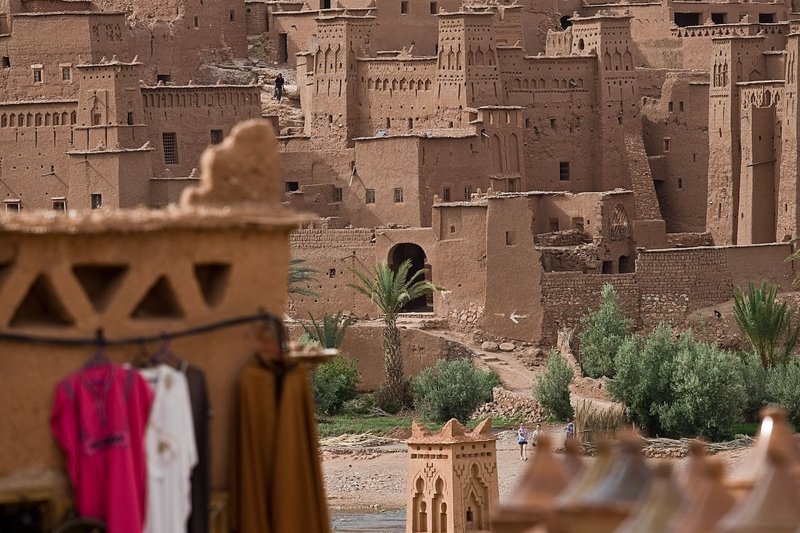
[[376, 478]]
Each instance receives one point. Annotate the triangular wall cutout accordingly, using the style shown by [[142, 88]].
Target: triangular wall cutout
[[159, 302], [5, 270], [213, 280], [100, 282], [41, 307]]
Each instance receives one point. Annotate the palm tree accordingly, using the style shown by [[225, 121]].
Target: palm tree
[[300, 272], [766, 322], [390, 291], [330, 332]]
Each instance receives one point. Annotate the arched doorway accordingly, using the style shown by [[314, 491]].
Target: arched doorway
[[416, 255]]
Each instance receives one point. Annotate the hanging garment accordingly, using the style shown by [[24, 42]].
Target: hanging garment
[[171, 451], [201, 474], [252, 451], [298, 501], [99, 418]]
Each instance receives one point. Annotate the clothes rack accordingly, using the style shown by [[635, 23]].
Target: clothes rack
[[100, 339]]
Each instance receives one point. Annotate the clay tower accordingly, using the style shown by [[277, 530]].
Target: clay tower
[[452, 479]]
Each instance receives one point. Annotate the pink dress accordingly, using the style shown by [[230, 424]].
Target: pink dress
[[99, 419]]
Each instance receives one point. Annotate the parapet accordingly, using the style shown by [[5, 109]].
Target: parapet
[[453, 432]]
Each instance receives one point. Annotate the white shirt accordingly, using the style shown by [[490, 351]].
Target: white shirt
[[171, 451]]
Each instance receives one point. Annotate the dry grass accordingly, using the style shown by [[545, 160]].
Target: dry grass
[[595, 422]]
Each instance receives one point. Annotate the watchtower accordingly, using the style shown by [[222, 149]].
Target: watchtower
[[452, 479]]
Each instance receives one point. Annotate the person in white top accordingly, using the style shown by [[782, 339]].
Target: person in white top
[[536, 434], [171, 451], [522, 440]]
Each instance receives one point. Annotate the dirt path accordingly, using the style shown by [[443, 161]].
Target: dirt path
[[377, 479]]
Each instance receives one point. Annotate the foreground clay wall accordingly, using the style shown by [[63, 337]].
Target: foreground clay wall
[[99, 279]]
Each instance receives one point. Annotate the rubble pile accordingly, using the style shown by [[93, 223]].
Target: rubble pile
[[509, 404]]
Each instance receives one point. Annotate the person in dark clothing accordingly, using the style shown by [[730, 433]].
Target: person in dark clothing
[[279, 87]]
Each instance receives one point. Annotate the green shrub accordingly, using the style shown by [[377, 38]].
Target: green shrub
[[754, 377], [551, 389], [680, 388], [783, 388], [643, 376], [452, 389], [707, 390], [335, 383], [601, 333]]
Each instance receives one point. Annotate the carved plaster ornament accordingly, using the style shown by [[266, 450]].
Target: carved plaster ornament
[[658, 506], [242, 169], [707, 504]]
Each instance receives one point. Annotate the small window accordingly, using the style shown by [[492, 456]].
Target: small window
[[59, 205], [97, 118], [66, 73], [130, 118], [553, 223], [666, 145], [292, 186], [170, 142], [718, 18], [6, 62], [680, 106], [452, 228], [766, 18], [404, 7], [337, 194], [232, 15], [196, 21], [511, 238], [96, 200], [13, 206], [398, 196], [446, 194], [553, 123], [669, 107], [37, 75], [563, 171], [331, 272], [434, 8], [467, 193], [163, 78], [216, 136], [370, 198], [680, 183]]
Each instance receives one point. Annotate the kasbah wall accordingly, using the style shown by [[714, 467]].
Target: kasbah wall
[[533, 155]]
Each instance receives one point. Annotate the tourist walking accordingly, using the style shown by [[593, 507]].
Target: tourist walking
[[536, 434], [570, 430], [279, 87], [522, 440]]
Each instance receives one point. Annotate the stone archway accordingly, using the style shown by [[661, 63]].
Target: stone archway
[[414, 253]]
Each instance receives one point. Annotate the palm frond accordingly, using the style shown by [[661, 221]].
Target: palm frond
[[391, 290], [299, 274]]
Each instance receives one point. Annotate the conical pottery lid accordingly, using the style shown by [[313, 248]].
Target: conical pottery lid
[[573, 463], [772, 505], [590, 477], [654, 511], [775, 433], [543, 480], [626, 481], [694, 471], [708, 502]]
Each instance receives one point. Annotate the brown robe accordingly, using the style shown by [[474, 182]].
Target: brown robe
[[253, 450]]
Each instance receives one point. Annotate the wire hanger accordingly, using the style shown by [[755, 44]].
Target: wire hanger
[[164, 354], [100, 357]]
